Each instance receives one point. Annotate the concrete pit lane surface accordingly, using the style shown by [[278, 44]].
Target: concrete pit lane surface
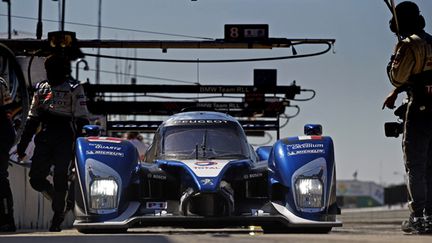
[[362, 226]]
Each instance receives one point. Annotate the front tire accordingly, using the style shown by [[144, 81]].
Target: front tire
[[102, 231], [277, 229]]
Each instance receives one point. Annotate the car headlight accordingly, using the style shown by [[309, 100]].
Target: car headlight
[[309, 192], [103, 194]]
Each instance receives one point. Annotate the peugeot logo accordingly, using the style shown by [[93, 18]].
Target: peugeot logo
[[205, 163], [207, 181]]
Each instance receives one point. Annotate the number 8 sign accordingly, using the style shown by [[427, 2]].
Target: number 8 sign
[[246, 32]]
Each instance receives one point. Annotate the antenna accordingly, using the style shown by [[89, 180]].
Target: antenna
[[392, 7]]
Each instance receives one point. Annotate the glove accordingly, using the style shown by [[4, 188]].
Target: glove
[[390, 100], [30, 129]]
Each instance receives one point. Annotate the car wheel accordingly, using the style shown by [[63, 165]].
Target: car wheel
[[102, 231], [277, 229]]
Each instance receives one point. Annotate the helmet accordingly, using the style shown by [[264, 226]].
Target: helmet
[[58, 68], [313, 129], [58, 63], [409, 19]]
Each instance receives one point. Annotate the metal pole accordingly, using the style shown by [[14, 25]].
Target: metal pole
[[99, 37], [39, 23], [63, 15], [9, 18], [59, 13], [393, 5], [278, 128], [86, 67]]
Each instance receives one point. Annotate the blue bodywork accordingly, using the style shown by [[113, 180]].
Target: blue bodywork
[[296, 157], [99, 157], [201, 171]]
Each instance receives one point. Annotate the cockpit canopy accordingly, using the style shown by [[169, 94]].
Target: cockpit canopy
[[200, 139]]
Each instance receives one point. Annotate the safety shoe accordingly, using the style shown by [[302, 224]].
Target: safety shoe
[[7, 223], [10, 227], [415, 225], [428, 224], [56, 222]]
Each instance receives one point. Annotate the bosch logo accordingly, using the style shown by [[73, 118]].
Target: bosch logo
[[205, 163]]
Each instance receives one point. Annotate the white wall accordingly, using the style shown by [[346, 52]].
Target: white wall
[[360, 188], [31, 209]]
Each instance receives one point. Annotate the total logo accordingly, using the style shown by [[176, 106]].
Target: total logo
[[206, 168], [205, 163]]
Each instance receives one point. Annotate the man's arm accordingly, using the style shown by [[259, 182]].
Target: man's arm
[[30, 129], [399, 71], [80, 111], [390, 100], [401, 65]]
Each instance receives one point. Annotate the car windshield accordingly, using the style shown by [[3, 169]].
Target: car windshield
[[205, 141]]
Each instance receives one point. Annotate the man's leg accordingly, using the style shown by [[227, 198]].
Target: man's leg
[[62, 158], [428, 206], [7, 223], [41, 166], [415, 148]]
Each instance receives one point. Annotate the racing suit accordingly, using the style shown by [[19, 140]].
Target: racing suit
[[411, 68], [7, 138], [61, 111]]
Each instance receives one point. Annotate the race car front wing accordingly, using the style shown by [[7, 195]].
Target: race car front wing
[[277, 214]]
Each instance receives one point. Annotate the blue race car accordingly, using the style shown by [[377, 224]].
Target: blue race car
[[200, 171]]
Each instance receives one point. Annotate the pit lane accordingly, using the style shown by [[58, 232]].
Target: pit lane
[[360, 225]]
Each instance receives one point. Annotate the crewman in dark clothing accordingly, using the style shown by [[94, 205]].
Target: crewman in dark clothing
[[7, 138], [410, 70], [59, 107]]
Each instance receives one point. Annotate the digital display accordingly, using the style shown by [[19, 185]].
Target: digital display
[[245, 32]]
